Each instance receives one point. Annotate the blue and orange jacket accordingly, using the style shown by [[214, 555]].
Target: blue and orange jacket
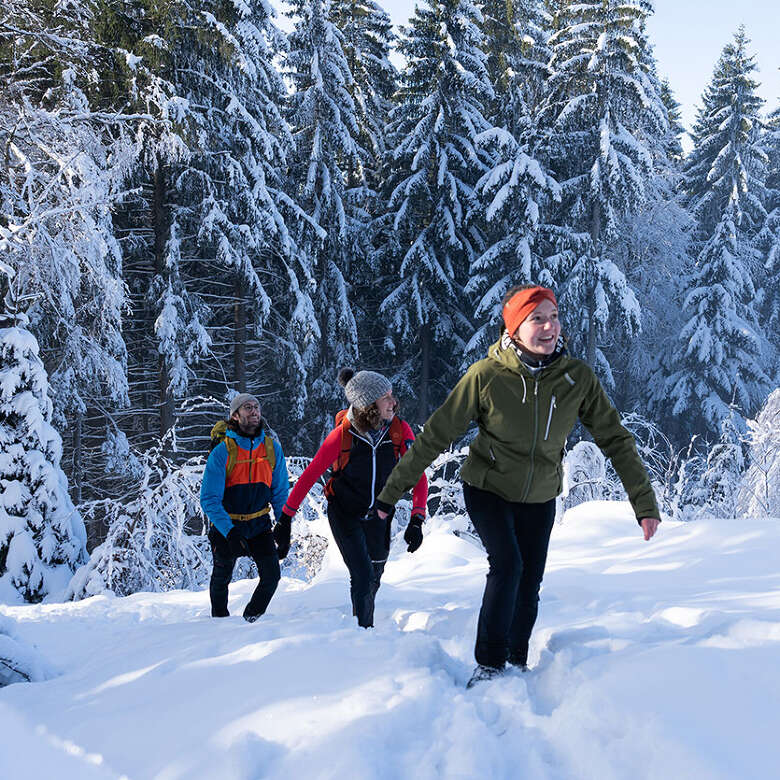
[[250, 487]]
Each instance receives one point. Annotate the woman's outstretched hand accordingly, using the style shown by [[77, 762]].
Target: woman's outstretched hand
[[649, 526], [382, 515]]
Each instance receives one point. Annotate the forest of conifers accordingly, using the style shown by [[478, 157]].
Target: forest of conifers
[[194, 203]]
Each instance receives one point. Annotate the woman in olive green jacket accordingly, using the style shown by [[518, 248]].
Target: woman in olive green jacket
[[526, 397]]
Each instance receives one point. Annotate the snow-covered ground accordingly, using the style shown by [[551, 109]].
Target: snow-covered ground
[[650, 660]]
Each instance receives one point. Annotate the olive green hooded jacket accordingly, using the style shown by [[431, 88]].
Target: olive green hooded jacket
[[524, 420]]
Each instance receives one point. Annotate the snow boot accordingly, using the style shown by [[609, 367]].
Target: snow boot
[[519, 655], [483, 673]]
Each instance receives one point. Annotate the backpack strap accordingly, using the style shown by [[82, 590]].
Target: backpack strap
[[232, 451], [342, 419], [270, 452], [397, 436]]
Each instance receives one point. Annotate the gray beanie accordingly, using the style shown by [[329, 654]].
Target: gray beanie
[[365, 387], [240, 400]]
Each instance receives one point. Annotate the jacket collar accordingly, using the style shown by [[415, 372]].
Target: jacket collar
[[244, 441], [506, 352]]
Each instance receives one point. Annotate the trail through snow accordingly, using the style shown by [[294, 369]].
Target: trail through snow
[[650, 660]]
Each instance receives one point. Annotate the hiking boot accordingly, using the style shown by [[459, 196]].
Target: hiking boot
[[483, 673], [252, 618]]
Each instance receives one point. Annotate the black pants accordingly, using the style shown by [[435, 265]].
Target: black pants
[[516, 537], [264, 555], [364, 544]]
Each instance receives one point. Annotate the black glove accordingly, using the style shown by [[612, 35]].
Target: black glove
[[388, 509], [413, 534], [282, 535], [237, 544]]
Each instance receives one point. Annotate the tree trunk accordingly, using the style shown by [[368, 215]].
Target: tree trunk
[[425, 373], [590, 352], [77, 474], [239, 347], [160, 226], [595, 234]]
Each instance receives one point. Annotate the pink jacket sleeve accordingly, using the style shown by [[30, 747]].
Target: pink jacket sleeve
[[321, 462], [420, 491]]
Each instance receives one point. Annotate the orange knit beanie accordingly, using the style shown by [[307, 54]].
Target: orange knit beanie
[[522, 303]]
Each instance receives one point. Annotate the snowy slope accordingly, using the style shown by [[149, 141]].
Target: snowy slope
[[651, 660]]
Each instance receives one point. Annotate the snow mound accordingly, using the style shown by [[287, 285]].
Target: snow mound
[[18, 661]]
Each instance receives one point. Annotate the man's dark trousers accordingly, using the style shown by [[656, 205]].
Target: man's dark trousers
[[516, 537], [264, 555], [364, 543]]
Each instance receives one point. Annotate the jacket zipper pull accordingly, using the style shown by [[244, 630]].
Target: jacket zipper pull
[[549, 418]]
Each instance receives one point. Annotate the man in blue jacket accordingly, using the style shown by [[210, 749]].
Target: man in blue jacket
[[245, 477]]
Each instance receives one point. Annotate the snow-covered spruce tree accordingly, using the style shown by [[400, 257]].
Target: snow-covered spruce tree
[[759, 494], [514, 188], [42, 536], [141, 35], [367, 40], [653, 250], [718, 361], [727, 151], [62, 174], [768, 241], [605, 120], [514, 191], [430, 231], [367, 37], [217, 277], [327, 179], [232, 198], [516, 45], [719, 482], [674, 150]]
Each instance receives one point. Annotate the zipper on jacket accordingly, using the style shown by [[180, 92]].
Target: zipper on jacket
[[373, 475], [373, 460], [533, 442], [549, 418]]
